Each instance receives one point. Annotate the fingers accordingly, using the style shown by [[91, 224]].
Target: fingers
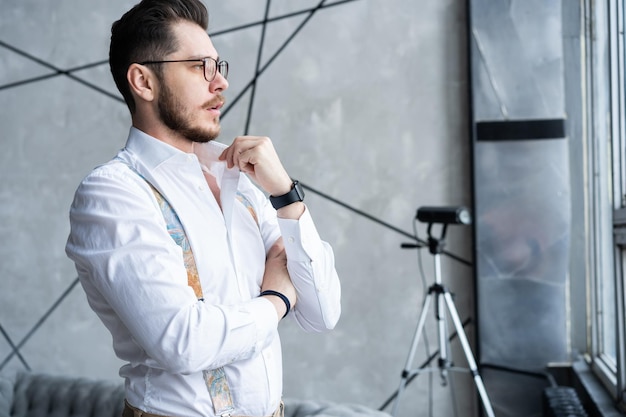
[[256, 156], [276, 276], [244, 150]]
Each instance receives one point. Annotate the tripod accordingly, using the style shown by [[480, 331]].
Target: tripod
[[442, 295]]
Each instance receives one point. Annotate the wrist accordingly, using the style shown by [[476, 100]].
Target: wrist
[[284, 188], [292, 211], [281, 296]]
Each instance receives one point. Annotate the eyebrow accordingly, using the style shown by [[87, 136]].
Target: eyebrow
[[201, 57]]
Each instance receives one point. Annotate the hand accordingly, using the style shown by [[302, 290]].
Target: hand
[[277, 278], [256, 156]]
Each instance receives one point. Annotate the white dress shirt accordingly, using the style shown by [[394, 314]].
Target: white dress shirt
[[134, 277]]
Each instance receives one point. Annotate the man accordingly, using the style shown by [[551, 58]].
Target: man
[[184, 260]]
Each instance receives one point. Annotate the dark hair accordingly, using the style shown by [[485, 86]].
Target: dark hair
[[144, 34]]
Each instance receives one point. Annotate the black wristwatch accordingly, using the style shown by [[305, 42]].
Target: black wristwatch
[[296, 194]]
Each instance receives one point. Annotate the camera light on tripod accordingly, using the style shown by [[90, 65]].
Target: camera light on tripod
[[446, 215]]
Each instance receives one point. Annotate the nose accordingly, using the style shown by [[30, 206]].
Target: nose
[[218, 84]]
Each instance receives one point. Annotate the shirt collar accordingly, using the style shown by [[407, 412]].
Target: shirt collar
[[155, 152]]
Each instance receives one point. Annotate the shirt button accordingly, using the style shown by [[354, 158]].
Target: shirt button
[[291, 239]]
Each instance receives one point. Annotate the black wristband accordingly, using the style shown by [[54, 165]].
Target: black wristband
[[281, 296], [295, 194]]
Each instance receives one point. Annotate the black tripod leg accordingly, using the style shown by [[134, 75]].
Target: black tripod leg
[[482, 392], [406, 373]]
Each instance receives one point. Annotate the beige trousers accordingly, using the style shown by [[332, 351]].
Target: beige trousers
[[130, 411]]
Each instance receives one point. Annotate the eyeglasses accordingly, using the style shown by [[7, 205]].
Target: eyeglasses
[[210, 65]]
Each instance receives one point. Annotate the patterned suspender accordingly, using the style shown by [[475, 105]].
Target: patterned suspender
[[177, 232], [215, 379]]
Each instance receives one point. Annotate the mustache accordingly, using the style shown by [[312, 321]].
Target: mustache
[[219, 100]]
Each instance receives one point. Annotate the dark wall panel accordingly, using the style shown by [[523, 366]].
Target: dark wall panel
[[521, 194]]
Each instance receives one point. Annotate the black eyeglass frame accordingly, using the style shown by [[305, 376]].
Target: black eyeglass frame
[[220, 66]]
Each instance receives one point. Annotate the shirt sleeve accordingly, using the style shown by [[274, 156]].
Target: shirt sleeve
[[134, 277], [311, 266]]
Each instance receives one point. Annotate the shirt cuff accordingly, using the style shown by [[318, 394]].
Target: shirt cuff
[[300, 237], [266, 320]]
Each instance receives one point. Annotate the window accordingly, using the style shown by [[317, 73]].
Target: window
[[606, 196]]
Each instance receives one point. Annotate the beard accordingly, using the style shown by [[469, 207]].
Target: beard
[[178, 118]]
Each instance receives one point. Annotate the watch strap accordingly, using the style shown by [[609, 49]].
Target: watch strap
[[295, 194]]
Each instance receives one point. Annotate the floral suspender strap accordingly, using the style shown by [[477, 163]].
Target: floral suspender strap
[[215, 379]]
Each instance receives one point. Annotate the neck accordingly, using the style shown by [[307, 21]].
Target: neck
[[163, 133]]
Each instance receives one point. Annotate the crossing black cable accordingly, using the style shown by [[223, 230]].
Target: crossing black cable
[[12, 345], [421, 242], [275, 19], [37, 325], [256, 69], [251, 84], [57, 71], [273, 57], [258, 72]]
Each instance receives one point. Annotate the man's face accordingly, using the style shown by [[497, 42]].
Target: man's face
[[187, 103], [183, 119]]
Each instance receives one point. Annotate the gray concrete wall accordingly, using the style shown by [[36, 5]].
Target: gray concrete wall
[[367, 104]]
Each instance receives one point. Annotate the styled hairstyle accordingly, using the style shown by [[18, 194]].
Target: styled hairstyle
[[144, 34]]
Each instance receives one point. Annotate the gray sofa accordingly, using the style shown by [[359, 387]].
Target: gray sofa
[[27, 394]]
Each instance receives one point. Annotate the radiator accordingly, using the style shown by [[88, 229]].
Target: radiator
[[562, 402]]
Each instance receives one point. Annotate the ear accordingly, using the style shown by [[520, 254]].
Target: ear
[[141, 81]]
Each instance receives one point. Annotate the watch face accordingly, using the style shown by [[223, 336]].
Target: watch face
[[299, 190]]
